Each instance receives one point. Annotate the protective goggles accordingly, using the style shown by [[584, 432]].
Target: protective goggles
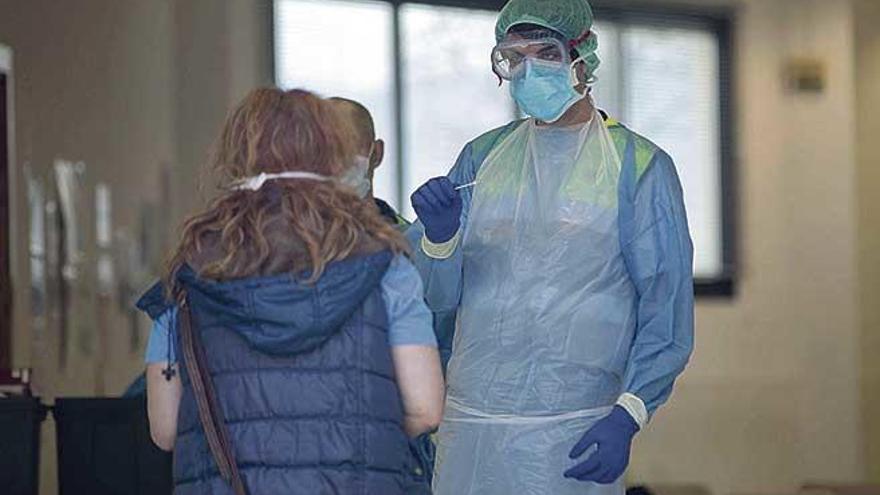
[[508, 57]]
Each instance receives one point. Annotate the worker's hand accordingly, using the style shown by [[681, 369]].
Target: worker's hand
[[438, 206], [612, 435]]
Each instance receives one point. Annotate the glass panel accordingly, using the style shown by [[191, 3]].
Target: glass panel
[[671, 95], [607, 92], [451, 94], [340, 48], [662, 82]]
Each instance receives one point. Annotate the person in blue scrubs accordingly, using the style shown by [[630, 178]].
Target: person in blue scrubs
[[560, 244]]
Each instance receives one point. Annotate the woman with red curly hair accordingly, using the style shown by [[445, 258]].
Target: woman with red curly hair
[[291, 350]]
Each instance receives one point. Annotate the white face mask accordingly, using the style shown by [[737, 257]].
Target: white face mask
[[256, 182], [357, 176]]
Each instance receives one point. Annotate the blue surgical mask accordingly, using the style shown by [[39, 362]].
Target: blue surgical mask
[[545, 90]]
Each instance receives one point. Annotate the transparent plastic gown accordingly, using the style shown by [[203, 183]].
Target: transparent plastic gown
[[547, 315]]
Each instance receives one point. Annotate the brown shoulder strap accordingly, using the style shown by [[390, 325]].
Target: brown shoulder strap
[[210, 414]]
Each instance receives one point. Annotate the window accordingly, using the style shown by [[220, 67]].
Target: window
[[663, 81], [437, 62], [343, 48], [664, 74]]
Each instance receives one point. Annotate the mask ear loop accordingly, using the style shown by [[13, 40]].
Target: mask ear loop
[[495, 71], [370, 153], [573, 78]]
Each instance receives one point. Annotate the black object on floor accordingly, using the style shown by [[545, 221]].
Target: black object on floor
[[20, 419], [104, 448]]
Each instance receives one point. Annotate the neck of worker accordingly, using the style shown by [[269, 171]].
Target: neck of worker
[[579, 113]]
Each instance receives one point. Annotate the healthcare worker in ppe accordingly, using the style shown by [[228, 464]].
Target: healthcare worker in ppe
[[560, 242]]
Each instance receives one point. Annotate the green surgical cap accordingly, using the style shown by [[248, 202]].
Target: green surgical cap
[[571, 18]]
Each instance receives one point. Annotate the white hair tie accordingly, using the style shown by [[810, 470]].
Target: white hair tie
[[256, 182]]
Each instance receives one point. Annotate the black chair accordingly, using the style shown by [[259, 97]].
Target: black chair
[[669, 489], [20, 420], [104, 448]]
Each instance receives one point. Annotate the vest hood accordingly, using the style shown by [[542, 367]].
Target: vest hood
[[280, 314]]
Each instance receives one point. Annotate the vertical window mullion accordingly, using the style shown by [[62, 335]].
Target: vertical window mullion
[[621, 72], [399, 112]]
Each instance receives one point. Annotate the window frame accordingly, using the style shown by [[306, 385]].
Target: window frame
[[717, 19]]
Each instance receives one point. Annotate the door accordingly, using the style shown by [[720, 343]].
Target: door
[[5, 276]]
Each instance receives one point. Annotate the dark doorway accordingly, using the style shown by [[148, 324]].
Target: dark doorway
[[5, 278]]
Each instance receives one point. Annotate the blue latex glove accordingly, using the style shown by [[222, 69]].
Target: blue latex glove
[[438, 206], [612, 435]]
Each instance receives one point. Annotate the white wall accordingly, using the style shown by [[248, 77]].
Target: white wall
[[771, 398], [131, 89], [92, 84], [868, 119]]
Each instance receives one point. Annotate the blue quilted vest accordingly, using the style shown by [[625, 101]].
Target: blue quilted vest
[[305, 379]]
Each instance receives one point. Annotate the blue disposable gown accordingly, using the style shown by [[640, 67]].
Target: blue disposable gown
[[637, 325]]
